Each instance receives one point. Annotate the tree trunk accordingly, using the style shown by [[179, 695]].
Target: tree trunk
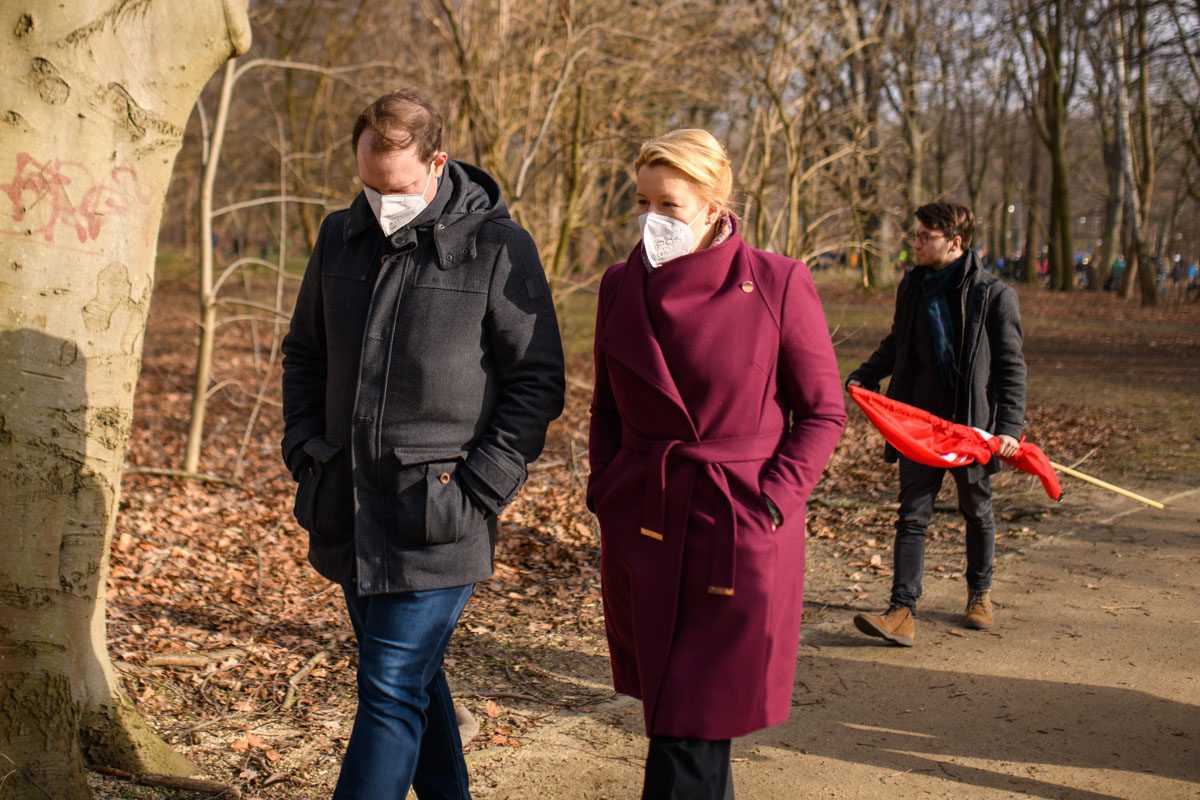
[[1139, 259], [575, 178], [1145, 176], [1033, 218], [97, 96], [1062, 274], [1113, 206], [208, 303], [1129, 278], [1061, 251]]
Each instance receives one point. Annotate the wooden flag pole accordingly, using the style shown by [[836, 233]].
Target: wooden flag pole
[[1083, 476]]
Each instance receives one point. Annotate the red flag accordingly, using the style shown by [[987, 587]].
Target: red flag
[[1031, 459], [920, 436]]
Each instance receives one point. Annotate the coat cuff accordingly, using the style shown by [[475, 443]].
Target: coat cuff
[[493, 481], [1012, 429], [293, 449], [863, 381]]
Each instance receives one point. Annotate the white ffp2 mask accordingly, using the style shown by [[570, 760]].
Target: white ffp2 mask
[[665, 238], [394, 211]]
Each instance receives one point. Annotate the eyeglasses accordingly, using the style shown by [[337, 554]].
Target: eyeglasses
[[921, 237]]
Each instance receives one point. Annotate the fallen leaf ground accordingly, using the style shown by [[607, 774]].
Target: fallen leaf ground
[[214, 571]]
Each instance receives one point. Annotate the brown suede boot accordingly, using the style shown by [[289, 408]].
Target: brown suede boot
[[897, 625], [979, 610]]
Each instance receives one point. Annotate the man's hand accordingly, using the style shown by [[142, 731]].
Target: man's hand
[[853, 382], [1008, 446]]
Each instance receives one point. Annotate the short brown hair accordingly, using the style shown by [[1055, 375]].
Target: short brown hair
[[950, 219], [401, 119]]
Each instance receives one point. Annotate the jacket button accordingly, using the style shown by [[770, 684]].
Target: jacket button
[[748, 287], [444, 478]]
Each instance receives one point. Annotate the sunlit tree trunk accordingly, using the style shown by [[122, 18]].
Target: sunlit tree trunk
[[96, 97], [1124, 147]]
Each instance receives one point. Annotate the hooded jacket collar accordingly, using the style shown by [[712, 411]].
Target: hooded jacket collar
[[467, 197]]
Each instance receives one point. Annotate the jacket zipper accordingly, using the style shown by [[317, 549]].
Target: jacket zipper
[[405, 267]]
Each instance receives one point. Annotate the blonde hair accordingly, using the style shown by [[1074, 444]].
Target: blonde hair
[[699, 156]]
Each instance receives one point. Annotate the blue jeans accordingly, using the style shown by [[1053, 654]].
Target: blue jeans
[[919, 487], [404, 732]]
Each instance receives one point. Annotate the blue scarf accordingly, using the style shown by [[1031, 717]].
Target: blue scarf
[[937, 283]]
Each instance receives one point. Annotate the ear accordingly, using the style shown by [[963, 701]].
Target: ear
[[439, 163], [712, 213]]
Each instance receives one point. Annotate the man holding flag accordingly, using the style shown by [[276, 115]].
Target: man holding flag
[[955, 351]]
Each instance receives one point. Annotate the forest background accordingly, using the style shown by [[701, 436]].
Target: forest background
[[1071, 128]]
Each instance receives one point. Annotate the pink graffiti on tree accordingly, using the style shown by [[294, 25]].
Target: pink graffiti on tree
[[46, 195]]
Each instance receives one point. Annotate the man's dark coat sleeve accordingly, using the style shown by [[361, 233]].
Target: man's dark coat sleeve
[[527, 353], [1008, 364], [304, 359]]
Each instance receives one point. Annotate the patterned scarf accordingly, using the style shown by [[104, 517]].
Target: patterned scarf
[[941, 323]]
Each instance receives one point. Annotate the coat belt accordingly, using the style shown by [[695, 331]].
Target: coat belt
[[687, 458]]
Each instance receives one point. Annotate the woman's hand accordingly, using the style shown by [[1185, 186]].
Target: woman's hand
[[774, 512]]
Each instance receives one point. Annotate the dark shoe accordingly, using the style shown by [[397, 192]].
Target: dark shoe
[[979, 610], [897, 625]]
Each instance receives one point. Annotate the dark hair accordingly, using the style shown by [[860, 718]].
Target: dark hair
[[401, 119], [950, 219]]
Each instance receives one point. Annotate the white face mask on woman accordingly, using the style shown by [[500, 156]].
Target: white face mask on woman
[[394, 211], [665, 238]]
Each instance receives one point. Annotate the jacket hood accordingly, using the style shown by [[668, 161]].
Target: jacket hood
[[466, 198]]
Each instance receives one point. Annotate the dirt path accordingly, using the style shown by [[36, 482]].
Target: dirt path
[[1087, 688]]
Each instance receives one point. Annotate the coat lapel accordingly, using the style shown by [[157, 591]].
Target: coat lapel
[[630, 339]]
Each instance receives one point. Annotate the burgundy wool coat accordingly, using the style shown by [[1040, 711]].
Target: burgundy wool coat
[[716, 384]]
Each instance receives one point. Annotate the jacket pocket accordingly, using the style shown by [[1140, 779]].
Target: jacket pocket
[[598, 483], [322, 497], [444, 513]]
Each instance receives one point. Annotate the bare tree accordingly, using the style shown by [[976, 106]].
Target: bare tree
[[1052, 55], [98, 96], [210, 284], [1133, 200]]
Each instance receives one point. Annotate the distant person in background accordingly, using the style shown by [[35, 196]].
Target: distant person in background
[[954, 351], [716, 405], [1113, 284]]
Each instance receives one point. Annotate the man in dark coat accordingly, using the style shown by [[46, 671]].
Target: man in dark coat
[[954, 351], [421, 369]]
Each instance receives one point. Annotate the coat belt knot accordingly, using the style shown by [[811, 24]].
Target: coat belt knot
[[689, 459]]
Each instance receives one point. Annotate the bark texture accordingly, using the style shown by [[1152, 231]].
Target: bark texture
[[96, 97]]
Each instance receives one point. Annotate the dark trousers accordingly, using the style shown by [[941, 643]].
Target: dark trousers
[[687, 769], [405, 733], [919, 487]]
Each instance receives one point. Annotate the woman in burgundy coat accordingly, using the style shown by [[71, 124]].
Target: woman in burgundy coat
[[717, 403]]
